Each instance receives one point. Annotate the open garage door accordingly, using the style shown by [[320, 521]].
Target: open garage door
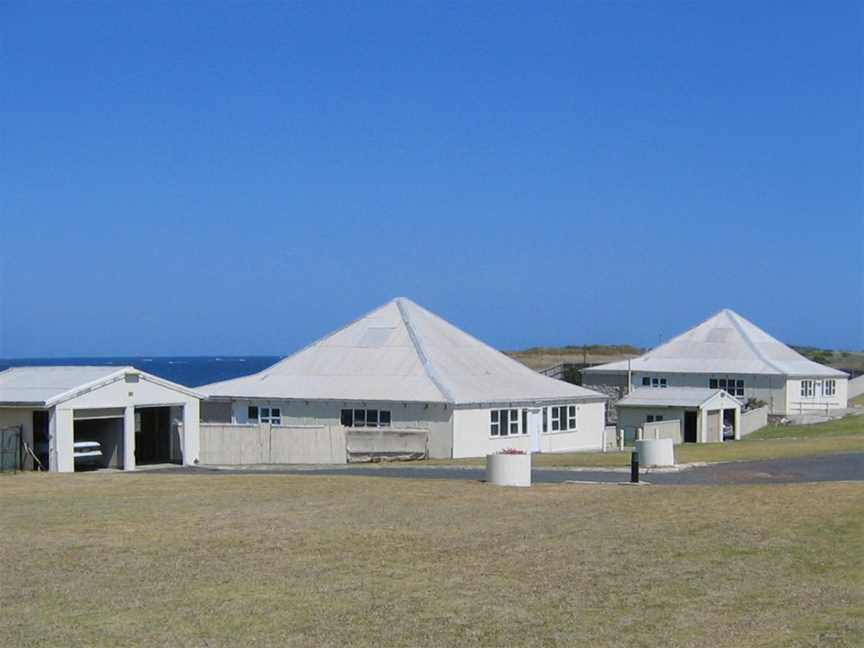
[[155, 436]]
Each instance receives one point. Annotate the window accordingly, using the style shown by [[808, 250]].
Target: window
[[807, 389], [504, 422], [272, 415], [731, 385], [563, 418], [365, 418], [545, 419], [829, 388], [652, 418], [654, 382]]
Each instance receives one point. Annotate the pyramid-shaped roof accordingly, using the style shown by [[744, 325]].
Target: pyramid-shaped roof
[[725, 343], [400, 352]]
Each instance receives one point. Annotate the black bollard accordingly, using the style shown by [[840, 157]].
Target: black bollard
[[634, 468]]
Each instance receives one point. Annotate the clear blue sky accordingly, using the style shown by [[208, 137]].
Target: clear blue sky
[[206, 178]]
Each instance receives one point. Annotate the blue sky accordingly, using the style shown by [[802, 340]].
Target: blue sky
[[212, 178]]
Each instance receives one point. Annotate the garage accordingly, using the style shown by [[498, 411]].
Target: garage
[[685, 414], [76, 418]]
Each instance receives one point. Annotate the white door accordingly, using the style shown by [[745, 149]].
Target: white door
[[535, 422]]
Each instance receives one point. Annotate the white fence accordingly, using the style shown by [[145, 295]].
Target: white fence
[[232, 444], [753, 420]]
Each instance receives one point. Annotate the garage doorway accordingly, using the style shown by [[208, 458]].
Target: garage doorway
[[97, 442], [690, 427], [155, 434]]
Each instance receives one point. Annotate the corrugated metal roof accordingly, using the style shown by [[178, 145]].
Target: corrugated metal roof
[[38, 385], [723, 344], [400, 352], [671, 397]]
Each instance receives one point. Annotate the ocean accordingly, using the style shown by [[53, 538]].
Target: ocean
[[191, 371]]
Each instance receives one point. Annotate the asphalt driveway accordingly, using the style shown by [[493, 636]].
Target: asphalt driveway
[[838, 467]]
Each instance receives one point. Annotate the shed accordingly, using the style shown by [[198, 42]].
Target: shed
[[703, 415], [99, 416]]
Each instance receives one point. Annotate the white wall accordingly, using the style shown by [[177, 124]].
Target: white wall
[[855, 387], [434, 418], [753, 420], [231, 444], [797, 404], [127, 395], [472, 437]]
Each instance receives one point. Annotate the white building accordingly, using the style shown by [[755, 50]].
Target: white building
[[99, 416], [703, 415], [403, 368], [729, 353]]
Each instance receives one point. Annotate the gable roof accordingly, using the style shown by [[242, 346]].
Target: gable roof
[[46, 386], [672, 397], [725, 343], [400, 352]]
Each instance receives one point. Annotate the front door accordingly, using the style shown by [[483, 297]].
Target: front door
[[534, 428], [690, 427]]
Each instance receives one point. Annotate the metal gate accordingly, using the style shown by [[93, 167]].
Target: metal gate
[[11, 451]]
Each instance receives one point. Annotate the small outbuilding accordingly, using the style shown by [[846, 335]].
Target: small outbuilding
[[99, 417], [702, 415]]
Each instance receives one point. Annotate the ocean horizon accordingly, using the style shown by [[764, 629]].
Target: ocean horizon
[[191, 371]]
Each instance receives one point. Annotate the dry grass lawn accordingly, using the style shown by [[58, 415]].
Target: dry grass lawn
[[236, 560]]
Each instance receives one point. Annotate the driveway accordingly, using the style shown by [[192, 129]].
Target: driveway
[[838, 467]]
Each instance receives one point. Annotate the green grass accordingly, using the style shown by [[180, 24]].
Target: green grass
[[227, 560], [772, 442]]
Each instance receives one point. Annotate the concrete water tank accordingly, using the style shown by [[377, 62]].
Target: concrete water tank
[[656, 452]]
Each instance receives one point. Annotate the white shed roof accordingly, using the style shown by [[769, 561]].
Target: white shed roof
[[725, 343], [673, 397], [46, 386], [400, 352]]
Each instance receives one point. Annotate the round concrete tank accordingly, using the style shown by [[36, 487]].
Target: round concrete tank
[[656, 452], [508, 469]]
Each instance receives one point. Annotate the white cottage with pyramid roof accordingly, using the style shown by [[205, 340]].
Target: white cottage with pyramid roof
[[730, 353], [401, 367]]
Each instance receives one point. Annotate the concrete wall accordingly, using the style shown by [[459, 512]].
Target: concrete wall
[[753, 420], [855, 387], [435, 419], [232, 444], [664, 430], [363, 445], [472, 438]]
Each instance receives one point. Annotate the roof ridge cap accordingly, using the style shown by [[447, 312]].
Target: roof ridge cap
[[430, 371]]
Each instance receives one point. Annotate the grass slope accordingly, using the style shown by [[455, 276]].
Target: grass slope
[[772, 442], [218, 560]]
